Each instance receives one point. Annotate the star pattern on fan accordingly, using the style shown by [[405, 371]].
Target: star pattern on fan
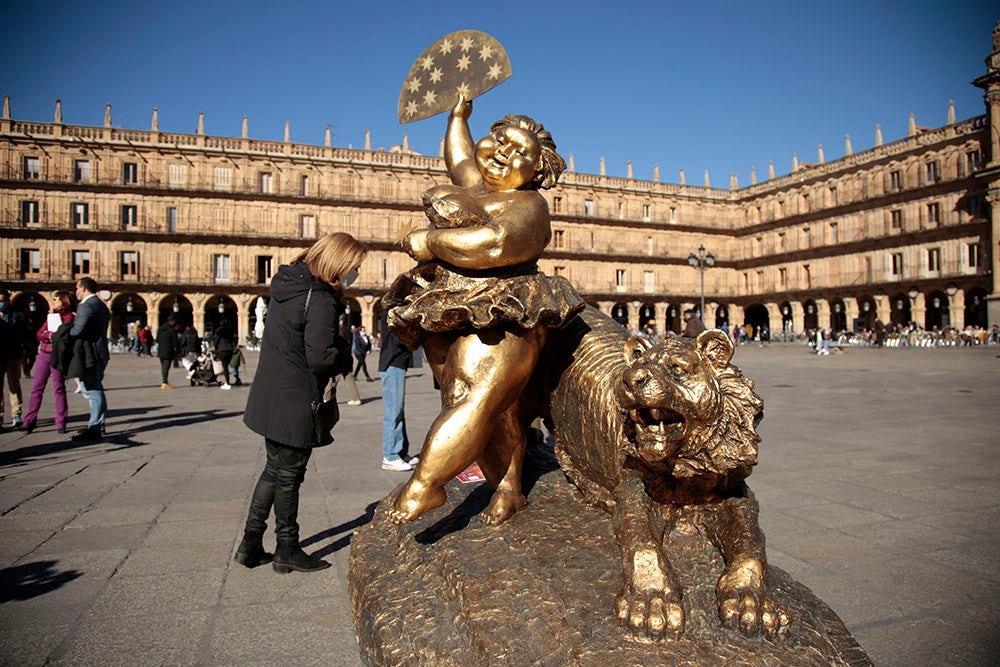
[[464, 63]]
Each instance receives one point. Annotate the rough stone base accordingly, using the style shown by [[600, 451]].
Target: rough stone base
[[538, 590]]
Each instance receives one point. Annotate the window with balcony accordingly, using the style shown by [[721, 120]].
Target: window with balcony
[[895, 180], [557, 204], [171, 219], [673, 215], [897, 264], [265, 269], [81, 171], [79, 214], [307, 226], [758, 246], [130, 217], [934, 213], [807, 276], [646, 212], [896, 219], [833, 196], [783, 278], [781, 242], [588, 207], [304, 186], [80, 261], [558, 238], [972, 160], [621, 210], [221, 267], [32, 169], [559, 271], [31, 262], [932, 172], [621, 280], [30, 214], [934, 259], [129, 265], [648, 282], [223, 178], [977, 207], [130, 173], [805, 237], [177, 175], [834, 233], [972, 255]]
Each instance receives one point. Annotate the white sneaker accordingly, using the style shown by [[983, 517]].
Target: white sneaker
[[354, 402], [225, 386], [399, 465]]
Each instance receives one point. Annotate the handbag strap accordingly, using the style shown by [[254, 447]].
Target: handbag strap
[[305, 319]]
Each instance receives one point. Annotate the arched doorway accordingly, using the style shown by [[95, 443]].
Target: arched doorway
[[867, 314], [619, 313], [353, 311], [257, 314], [673, 321], [787, 324], [838, 316], [647, 316], [178, 306], [810, 319], [721, 316], [975, 307], [900, 305], [218, 309], [127, 308], [758, 318], [936, 312]]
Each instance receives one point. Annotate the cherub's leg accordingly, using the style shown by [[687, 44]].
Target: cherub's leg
[[483, 376], [649, 602], [744, 599], [502, 462]]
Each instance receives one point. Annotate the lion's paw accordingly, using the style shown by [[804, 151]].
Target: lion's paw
[[744, 603], [650, 615]]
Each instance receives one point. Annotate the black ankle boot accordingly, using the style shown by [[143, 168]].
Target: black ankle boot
[[292, 557], [251, 552]]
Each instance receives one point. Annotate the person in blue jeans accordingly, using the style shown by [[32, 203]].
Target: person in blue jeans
[[393, 360], [91, 327]]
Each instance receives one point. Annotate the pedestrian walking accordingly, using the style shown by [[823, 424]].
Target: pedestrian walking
[[223, 345], [11, 357], [393, 360], [62, 314], [167, 350], [361, 347], [301, 352], [234, 365]]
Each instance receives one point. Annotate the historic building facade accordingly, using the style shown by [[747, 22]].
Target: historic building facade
[[195, 225]]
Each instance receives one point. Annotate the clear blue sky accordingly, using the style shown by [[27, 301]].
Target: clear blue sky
[[721, 86]]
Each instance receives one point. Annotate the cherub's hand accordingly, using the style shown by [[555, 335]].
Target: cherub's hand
[[415, 245], [462, 108]]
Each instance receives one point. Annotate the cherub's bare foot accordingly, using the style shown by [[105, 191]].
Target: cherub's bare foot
[[414, 500], [504, 504], [649, 602], [744, 602]]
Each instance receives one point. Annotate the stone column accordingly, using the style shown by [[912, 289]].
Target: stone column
[[918, 310], [798, 316], [774, 319], [956, 309], [736, 316], [198, 312], [153, 311], [883, 308], [823, 314], [661, 318], [851, 311], [605, 307]]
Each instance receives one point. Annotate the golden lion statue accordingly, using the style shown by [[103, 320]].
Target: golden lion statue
[[663, 436]]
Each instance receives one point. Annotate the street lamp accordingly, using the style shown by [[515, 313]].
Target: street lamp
[[700, 261]]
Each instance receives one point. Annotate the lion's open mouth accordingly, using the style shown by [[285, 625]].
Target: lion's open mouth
[[658, 422]]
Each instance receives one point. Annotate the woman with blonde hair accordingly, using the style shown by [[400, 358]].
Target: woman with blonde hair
[[301, 351]]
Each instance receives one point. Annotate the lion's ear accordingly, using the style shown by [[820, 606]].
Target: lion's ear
[[635, 347], [715, 346]]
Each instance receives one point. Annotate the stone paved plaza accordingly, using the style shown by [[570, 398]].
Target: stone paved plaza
[[878, 485]]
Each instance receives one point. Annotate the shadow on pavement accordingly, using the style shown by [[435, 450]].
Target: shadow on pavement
[[349, 527], [23, 582]]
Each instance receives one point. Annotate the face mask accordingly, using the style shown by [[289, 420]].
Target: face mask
[[348, 278]]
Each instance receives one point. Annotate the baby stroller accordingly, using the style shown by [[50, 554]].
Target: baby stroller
[[201, 369]]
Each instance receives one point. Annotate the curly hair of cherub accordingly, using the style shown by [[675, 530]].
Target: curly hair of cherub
[[551, 164]]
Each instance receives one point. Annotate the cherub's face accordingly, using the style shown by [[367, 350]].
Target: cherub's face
[[508, 158]]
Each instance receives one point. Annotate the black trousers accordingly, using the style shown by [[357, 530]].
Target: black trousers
[[278, 486], [225, 356], [362, 365], [165, 369]]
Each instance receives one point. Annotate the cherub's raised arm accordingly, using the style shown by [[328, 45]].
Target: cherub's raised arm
[[459, 149]]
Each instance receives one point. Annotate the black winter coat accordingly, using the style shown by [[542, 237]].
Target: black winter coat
[[298, 356], [167, 346]]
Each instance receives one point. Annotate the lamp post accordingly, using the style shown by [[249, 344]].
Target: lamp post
[[700, 261]]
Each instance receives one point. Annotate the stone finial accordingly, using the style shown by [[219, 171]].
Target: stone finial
[[201, 123], [288, 132], [406, 143], [572, 167], [107, 115], [951, 112], [878, 135], [6, 106], [819, 155], [682, 176], [628, 170], [770, 168], [708, 181], [795, 162], [753, 175], [244, 131], [656, 173], [441, 147], [326, 137], [368, 140], [603, 170], [155, 124], [912, 131], [734, 183], [58, 115]]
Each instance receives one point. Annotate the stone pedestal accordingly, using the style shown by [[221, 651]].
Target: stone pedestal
[[538, 590]]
